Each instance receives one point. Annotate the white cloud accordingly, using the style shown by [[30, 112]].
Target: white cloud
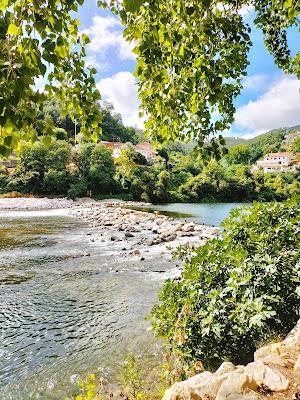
[[278, 107], [255, 82], [106, 33], [121, 91], [92, 61], [246, 10]]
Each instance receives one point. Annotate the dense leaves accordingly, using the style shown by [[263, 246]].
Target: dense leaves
[[41, 39], [236, 291], [174, 175], [191, 59]]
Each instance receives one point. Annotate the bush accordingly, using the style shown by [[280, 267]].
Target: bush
[[56, 182], [236, 291], [78, 189]]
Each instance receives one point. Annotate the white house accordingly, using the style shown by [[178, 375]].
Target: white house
[[275, 162]]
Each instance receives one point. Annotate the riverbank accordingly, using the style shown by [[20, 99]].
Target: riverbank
[[128, 231]]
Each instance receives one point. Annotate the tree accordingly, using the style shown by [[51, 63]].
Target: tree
[[191, 59], [43, 169], [41, 39], [240, 154], [101, 170], [113, 129], [295, 146]]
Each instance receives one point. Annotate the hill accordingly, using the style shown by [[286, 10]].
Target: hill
[[267, 142], [234, 141]]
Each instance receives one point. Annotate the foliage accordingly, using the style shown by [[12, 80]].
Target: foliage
[[192, 57], [191, 60], [139, 382], [102, 170], [235, 291], [89, 389], [239, 154], [41, 39], [174, 175], [95, 167], [132, 381], [42, 169], [295, 146], [77, 189], [113, 129]]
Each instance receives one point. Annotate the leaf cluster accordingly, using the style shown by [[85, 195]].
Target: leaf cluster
[[235, 291], [41, 40]]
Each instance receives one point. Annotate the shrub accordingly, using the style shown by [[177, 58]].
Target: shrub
[[56, 182], [78, 189], [235, 291]]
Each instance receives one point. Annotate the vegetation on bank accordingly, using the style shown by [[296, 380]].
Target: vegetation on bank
[[176, 175], [234, 292]]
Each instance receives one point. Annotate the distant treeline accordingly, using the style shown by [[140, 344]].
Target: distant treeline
[[175, 175]]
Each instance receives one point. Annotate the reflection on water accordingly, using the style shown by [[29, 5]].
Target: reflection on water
[[202, 213], [68, 306]]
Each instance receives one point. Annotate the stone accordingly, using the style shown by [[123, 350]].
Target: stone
[[262, 374], [237, 386], [288, 350], [129, 234], [297, 365], [169, 238], [188, 227], [136, 252]]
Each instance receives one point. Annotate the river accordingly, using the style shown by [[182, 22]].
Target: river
[[68, 306]]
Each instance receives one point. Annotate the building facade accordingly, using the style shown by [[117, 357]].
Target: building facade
[[146, 149], [275, 162]]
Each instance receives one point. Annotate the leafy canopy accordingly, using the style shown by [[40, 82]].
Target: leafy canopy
[[40, 39], [191, 59]]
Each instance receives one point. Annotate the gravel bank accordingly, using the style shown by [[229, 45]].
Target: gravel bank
[[21, 203]]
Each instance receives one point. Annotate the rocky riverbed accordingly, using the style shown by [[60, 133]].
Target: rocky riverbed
[[128, 232], [140, 232]]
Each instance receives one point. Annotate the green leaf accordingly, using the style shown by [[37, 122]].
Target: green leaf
[[85, 39], [13, 30], [133, 5], [60, 51], [47, 140], [3, 4], [292, 13]]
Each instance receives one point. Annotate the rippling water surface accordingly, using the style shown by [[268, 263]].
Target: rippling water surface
[[68, 306]]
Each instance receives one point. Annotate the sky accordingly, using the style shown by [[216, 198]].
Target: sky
[[269, 99]]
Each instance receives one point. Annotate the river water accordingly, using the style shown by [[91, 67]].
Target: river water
[[70, 306]]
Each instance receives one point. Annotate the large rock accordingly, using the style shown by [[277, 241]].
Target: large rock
[[200, 387], [284, 353], [274, 370]]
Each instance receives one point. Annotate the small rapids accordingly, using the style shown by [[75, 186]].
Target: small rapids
[[69, 305]]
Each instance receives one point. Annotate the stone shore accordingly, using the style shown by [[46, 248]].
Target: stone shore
[[116, 222], [274, 374], [34, 203]]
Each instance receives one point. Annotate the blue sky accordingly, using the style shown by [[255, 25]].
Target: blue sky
[[269, 100]]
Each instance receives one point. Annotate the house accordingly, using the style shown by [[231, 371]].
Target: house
[[145, 149], [275, 162], [115, 147]]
